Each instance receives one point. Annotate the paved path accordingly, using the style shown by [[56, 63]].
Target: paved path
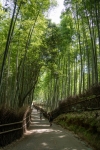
[[41, 136]]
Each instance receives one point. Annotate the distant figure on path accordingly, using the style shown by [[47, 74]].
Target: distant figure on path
[[50, 119], [41, 115]]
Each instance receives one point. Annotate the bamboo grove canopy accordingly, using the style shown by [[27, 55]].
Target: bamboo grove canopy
[[45, 61]]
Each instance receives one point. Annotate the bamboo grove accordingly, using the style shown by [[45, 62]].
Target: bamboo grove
[[45, 61], [22, 25], [77, 64]]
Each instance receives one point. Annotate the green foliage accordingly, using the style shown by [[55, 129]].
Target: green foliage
[[84, 124], [23, 48], [63, 59]]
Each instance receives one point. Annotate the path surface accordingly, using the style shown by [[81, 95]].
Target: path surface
[[41, 136]]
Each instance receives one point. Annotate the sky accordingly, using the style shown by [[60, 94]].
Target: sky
[[54, 15], [2, 1]]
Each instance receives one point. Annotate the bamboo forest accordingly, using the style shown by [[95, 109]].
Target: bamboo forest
[[45, 62]]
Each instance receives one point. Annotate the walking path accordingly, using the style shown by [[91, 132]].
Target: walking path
[[41, 136]]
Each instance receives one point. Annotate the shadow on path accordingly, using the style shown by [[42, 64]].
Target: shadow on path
[[41, 136]]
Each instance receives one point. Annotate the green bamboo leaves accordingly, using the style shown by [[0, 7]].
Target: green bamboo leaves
[[21, 62]]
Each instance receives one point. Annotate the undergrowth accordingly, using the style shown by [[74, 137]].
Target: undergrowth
[[86, 125]]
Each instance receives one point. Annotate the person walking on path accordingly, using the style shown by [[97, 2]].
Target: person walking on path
[[40, 136], [50, 119], [41, 115]]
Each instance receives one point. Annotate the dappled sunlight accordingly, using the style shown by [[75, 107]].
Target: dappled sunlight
[[51, 138], [62, 136], [72, 149], [39, 131], [34, 123], [57, 131], [44, 144], [43, 125], [35, 119], [42, 128], [45, 130], [40, 136]]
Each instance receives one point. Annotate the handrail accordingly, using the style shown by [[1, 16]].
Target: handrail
[[26, 118], [10, 130], [85, 105], [14, 123], [72, 103], [11, 123]]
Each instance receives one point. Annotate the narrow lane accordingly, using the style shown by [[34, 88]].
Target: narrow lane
[[41, 136]]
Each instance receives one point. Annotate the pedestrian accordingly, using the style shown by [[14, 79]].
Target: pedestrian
[[50, 119], [41, 115], [37, 109]]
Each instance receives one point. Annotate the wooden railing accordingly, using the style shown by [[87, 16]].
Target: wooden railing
[[12, 131], [15, 123], [84, 105], [89, 104]]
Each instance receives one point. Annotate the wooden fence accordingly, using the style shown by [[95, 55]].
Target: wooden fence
[[23, 126], [89, 104], [11, 131], [84, 105]]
